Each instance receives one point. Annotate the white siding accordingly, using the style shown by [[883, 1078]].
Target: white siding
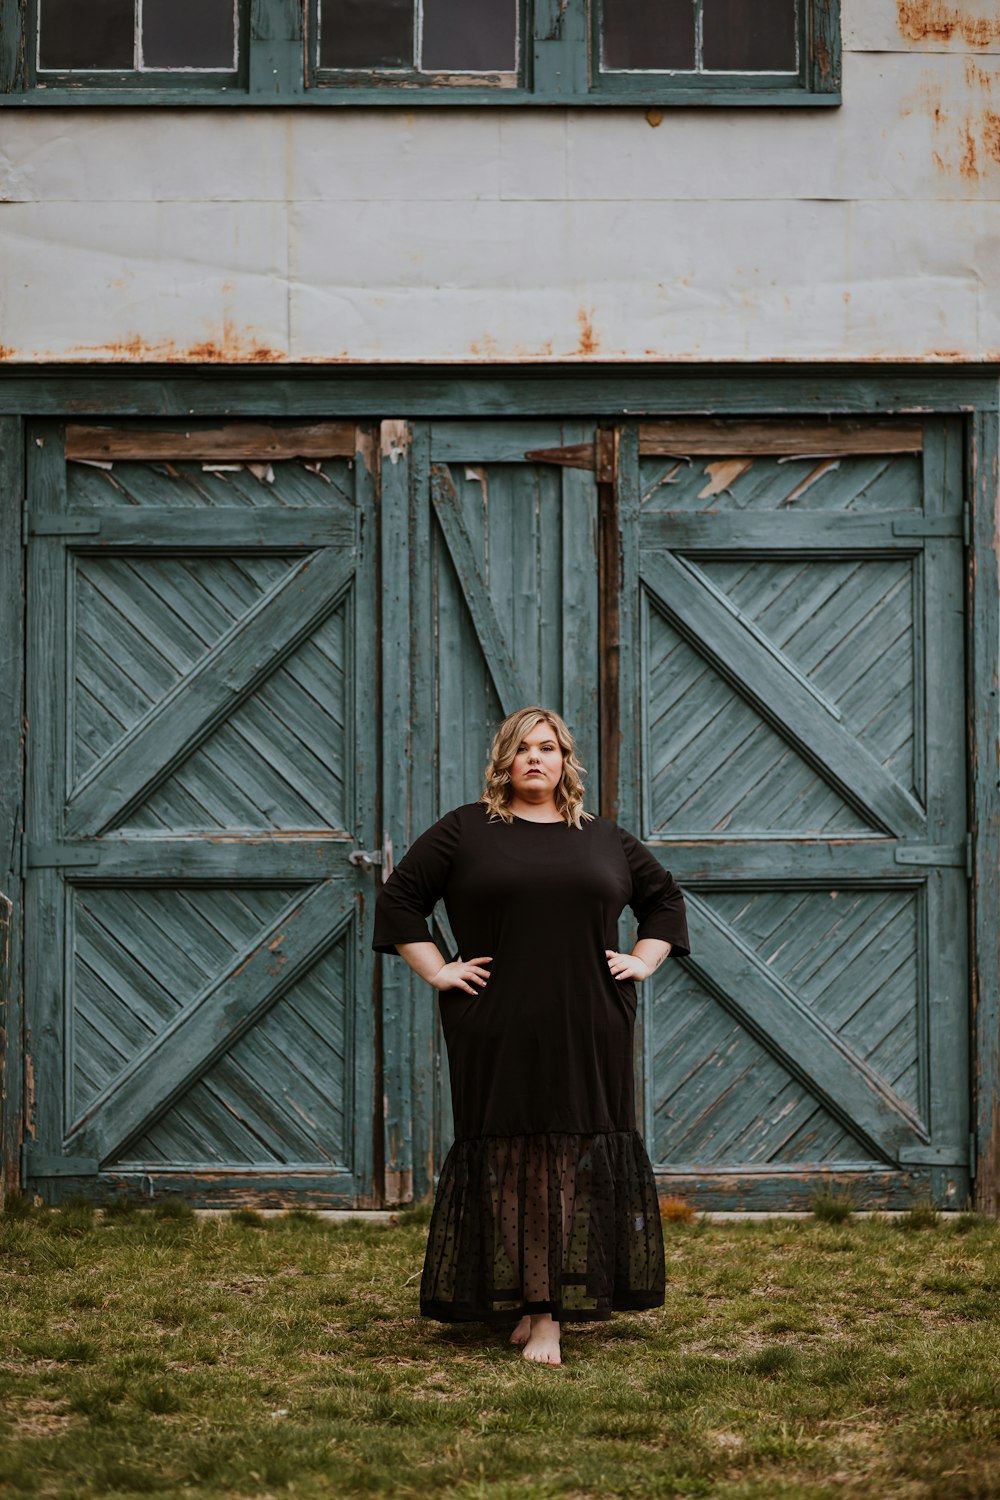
[[871, 232]]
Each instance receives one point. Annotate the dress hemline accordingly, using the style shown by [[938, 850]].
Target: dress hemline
[[450, 1312]]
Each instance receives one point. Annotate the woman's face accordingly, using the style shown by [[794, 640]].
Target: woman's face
[[537, 765]]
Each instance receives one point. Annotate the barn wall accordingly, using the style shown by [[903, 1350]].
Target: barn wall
[[871, 232]]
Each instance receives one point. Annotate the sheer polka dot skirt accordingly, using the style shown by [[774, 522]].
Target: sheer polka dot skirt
[[566, 1224]]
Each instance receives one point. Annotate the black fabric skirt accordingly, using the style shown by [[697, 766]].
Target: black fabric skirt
[[564, 1224]]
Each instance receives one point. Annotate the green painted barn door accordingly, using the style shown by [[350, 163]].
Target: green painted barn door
[[198, 976], [490, 573], [793, 701]]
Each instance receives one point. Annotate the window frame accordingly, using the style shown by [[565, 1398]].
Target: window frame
[[278, 66]]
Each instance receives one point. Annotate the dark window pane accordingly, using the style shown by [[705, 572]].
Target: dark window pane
[[188, 34], [750, 35], [98, 34], [648, 34], [366, 34], [463, 36]]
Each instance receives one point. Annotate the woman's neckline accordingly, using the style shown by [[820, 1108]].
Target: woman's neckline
[[538, 822]]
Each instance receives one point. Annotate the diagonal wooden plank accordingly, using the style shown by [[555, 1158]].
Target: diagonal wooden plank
[[448, 509], [841, 1080], [760, 674], [217, 684], [214, 1020]]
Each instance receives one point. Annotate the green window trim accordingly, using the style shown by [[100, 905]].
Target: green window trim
[[277, 67]]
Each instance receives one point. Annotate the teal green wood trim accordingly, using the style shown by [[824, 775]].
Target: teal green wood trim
[[577, 614], [506, 678], [780, 696], [559, 51], [772, 1013], [12, 47], [324, 96], [557, 47], [630, 712], [46, 752], [493, 442], [899, 533], [277, 52], [697, 859], [11, 1042], [37, 1164], [741, 1189], [631, 716], [693, 92], [363, 1104], [481, 391], [940, 775], [255, 645], [984, 734], [824, 48], [11, 797], [422, 804], [212, 1022], [142, 527], [249, 858], [149, 1183], [401, 990]]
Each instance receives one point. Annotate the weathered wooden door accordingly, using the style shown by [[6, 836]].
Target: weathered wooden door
[[201, 761], [490, 571], [792, 697]]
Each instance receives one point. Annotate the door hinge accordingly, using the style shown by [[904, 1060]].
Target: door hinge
[[951, 855], [57, 523], [600, 456], [932, 1156], [35, 1163], [56, 857], [929, 526]]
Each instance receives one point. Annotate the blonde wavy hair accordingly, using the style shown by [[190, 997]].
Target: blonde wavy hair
[[497, 791]]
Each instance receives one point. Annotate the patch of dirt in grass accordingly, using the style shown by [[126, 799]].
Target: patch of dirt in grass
[[241, 1284], [40, 1418]]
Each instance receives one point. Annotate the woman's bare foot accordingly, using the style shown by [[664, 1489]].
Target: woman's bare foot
[[542, 1346], [521, 1332]]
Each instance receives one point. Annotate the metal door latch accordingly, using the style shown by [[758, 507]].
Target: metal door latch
[[368, 859]]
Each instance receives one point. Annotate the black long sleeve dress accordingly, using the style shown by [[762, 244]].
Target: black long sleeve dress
[[546, 1201]]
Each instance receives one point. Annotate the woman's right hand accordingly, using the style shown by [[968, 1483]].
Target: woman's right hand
[[462, 975]]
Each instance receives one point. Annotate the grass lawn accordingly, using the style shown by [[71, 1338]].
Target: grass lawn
[[150, 1352]]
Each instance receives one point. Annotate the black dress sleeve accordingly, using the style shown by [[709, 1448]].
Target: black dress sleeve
[[656, 898], [415, 886]]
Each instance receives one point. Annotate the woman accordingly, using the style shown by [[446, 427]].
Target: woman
[[546, 1207]]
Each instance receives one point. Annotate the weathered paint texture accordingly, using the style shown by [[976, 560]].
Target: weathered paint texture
[[869, 232]]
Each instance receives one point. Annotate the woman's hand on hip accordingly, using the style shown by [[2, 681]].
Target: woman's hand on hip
[[462, 975], [626, 965]]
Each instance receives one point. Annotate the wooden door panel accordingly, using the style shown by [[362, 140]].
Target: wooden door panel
[[209, 772], [797, 648], [500, 603]]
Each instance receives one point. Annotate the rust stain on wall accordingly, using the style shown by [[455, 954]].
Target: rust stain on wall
[[588, 343], [229, 347], [966, 137], [934, 21]]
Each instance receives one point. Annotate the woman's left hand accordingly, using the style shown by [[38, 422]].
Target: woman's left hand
[[626, 965]]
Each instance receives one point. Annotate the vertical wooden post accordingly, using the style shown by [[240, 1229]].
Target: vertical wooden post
[[984, 735], [423, 771], [395, 1103], [609, 567], [11, 795]]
